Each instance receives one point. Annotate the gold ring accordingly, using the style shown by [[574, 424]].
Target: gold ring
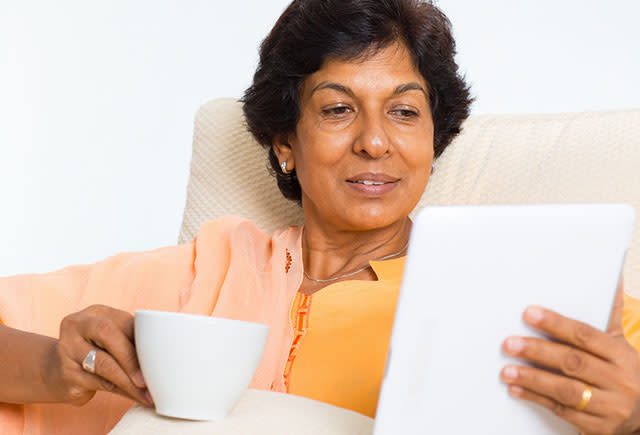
[[586, 397]]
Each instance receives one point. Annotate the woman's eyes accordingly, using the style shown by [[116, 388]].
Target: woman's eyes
[[339, 112], [336, 112], [405, 113]]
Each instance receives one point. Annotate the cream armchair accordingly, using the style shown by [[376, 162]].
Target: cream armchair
[[498, 159], [503, 159]]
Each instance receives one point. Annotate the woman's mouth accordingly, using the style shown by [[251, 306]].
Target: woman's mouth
[[368, 183], [371, 184]]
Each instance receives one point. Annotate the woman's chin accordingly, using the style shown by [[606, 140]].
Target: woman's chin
[[347, 214], [372, 218]]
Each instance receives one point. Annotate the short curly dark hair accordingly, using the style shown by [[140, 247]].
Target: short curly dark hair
[[309, 32]]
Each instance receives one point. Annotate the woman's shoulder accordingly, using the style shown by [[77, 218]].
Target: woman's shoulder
[[236, 227], [233, 238]]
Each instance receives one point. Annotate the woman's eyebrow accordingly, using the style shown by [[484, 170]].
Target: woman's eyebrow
[[334, 86], [410, 87], [413, 86]]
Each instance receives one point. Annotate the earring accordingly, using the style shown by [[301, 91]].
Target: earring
[[283, 166]]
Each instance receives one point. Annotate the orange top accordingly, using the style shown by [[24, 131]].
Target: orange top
[[233, 270], [342, 339], [342, 336]]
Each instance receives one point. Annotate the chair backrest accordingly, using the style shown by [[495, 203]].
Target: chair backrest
[[497, 159]]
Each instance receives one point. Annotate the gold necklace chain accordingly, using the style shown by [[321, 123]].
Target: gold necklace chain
[[346, 275]]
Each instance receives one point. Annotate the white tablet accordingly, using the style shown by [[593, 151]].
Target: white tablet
[[470, 273]]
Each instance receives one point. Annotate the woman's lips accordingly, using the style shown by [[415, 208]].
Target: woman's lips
[[373, 184]]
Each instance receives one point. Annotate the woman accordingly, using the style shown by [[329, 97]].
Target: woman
[[354, 99]]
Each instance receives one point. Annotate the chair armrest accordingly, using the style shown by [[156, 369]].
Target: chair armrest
[[262, 412]]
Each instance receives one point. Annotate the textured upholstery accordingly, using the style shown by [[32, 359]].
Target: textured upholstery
[[502, 159], [257, 412]]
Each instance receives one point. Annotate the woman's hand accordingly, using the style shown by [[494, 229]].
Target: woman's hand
[[110, 332], [584, 356]]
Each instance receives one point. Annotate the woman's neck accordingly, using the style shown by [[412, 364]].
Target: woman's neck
[[329, 253]]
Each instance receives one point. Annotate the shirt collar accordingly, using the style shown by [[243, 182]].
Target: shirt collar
[[389, 270]]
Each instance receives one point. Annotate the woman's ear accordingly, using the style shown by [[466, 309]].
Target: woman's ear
[[284, 152]]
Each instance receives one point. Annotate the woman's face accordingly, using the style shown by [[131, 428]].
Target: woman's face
[[363, 146]]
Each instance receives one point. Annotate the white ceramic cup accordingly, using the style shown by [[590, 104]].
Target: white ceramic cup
[[197, 367]]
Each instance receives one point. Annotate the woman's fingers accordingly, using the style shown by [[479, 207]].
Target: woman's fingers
[[585, 422], [110, 332], [605, 411], [565, 359], [110, 376], [584, 357], [560, 389], [575, 333], [93, 383], [115, 335]]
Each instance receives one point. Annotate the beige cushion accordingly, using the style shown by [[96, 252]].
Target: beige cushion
[[501, 159], [257, 412]]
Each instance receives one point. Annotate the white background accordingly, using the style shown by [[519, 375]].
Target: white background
[[97, 101]]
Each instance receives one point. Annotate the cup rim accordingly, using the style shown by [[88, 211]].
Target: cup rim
[[202, 317]]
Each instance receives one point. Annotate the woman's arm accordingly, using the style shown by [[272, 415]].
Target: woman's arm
[[162, 279], [22, 361], [37, 369]]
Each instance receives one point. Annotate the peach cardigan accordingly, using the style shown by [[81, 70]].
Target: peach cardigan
[[232, 269]]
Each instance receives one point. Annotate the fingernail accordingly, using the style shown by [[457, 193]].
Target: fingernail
[[139, 379], [516, 389], [534, 314], [147, 395], [510, 372], [515, 345]]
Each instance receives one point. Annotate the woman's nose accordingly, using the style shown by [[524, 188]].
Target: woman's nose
[[373, 140]]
